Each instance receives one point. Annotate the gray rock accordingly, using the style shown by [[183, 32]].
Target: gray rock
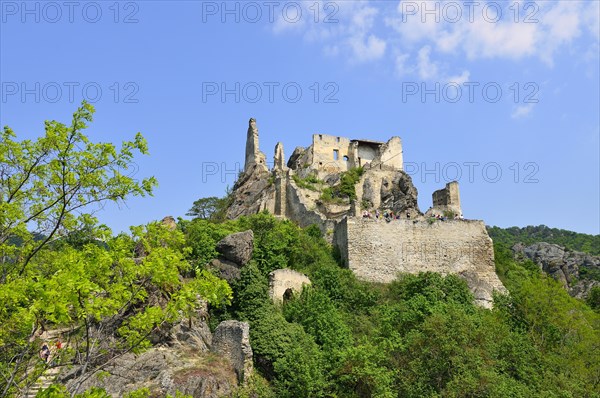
[[237, 247], [164, 371], [226, 269], [404, 194], [232, 341], [567, 267], [296, 155], [184, 363]]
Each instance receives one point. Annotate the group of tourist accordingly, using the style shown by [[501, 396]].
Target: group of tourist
[[444, 218], [386, 215], [389, 216], [45, 352]]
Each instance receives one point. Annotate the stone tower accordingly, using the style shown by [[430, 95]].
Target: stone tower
[[280, 174], [447, 199], [253, 154]]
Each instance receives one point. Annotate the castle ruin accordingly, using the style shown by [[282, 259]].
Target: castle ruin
[[306, 189]]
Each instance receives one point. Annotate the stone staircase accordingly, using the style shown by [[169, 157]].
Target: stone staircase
[[49, 375]]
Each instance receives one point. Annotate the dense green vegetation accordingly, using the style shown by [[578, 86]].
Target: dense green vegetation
[[419, 336], [59, 269], [528, 235]]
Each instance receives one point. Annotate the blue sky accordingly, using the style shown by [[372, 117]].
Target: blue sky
[[522, 138]]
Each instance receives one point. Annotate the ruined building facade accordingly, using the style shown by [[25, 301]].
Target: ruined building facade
[[374, 249]]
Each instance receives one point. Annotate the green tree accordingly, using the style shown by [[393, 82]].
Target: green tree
[[51, 186], [204, 208], [53, 272]]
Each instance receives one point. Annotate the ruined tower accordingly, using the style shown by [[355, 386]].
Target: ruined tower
[[253, 154], [280, 174], [447, 199]]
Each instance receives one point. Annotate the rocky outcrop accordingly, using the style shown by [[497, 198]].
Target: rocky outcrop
[[570, 268], [180, 362], [232, 341], [388, 189], [237, 247], [227, 270], [284, 282], [165, 371], [253, 192], [235, 251], [169, 222], [295, 158]]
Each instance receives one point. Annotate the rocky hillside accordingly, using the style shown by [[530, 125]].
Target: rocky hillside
[[571, 258], [578, 272], [182, 363]]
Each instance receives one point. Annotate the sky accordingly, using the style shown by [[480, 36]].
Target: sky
[[502, 96]]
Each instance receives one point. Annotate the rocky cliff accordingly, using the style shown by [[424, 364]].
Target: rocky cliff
[[577, 271]]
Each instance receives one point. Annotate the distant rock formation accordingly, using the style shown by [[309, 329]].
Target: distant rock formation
[[570, 268]]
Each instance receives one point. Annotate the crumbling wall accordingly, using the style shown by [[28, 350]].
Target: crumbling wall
[[284, 281], [366, 153], [377, 251], [232, 341], [447, 199], [254, 157], [323, 149], [390, 155]]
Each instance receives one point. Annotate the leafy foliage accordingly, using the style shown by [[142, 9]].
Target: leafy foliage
[[418, 336], [60, 270], [310, 182], [345, 190], [50, 187], [211, 208]]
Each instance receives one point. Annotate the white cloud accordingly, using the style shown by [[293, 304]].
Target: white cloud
[[428, 70], [367, 49], [369, 30], [460, 79], [351, 36], [402, 67], [559, 23], [522, 111]]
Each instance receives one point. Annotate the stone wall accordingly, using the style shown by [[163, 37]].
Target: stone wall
[[323, 148], [283, 280], [253, 154], [232, 341], [390, 154], [447, 199], [366, 153], [377, 251]]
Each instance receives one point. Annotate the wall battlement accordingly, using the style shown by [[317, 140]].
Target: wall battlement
[[376, 251]]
